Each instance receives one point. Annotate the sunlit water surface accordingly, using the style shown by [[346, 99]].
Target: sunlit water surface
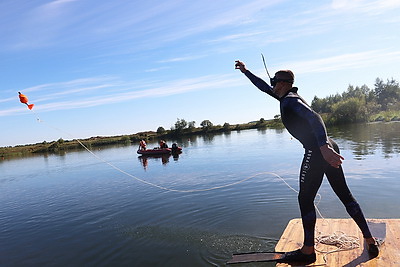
[[75, 210]]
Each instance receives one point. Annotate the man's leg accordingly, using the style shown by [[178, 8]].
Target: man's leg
[[338, 183], [311, 175]]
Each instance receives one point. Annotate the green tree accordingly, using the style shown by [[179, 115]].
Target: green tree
[[357, 91], [324, 105], [226, 126], [320, 105], [180, 124], [349, 110], [125, 139], [206, 125], [191, 124], [160, 130], [367, 104], [261, 123], [387, 95]]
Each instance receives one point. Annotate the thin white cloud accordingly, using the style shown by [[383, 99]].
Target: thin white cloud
[[342, 4], [237, 15], [57, 96], [365, 6], [236, 36], [149, 26], [57, 3], [177, 87], [69, 84], [180, 59], [64, 22], [210, 20], [156, 69], [11, 111], [41, 26], [172, 88], [9, 99], [344, 61]]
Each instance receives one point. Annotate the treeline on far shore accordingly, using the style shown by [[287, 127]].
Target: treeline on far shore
[[361, 104], [180, 129]]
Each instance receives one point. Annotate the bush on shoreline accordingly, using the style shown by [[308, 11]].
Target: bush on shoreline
[[361, 104]]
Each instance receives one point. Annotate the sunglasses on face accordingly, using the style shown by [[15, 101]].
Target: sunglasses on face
[[274, 81]]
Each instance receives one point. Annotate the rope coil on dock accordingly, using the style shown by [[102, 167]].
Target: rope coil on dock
[[338, 239]]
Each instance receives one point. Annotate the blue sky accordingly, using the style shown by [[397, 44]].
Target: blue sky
[[101, 68]]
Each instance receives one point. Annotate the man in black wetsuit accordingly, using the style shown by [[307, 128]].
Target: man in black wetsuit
[[321, 157]]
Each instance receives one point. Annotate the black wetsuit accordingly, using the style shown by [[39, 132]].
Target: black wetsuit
[[307, 126]]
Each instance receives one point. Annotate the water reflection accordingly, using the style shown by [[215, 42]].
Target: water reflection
[[277, 130], [92, 210], [144, 160], [209, 138], [370, 139], [362, 139]]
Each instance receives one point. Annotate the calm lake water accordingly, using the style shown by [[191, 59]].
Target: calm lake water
[[76, 210]]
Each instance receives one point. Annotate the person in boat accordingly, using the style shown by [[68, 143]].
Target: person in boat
[[163, 144], [321, 157], [142, 145]]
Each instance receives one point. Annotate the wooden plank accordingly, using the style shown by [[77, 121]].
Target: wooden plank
[[389, 256], [255, 257]]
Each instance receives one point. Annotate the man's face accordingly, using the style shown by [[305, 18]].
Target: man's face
[[280, 88]]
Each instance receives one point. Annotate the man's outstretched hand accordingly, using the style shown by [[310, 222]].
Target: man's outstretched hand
[[240, 65], [330, 155]]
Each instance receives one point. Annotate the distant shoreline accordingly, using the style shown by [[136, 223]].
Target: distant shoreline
[[61, 145]]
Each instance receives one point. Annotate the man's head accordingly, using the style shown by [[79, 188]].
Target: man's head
[[282, 76], [282, 82]]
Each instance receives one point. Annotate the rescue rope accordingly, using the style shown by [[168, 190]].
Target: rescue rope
[[152, 184], [340, 240]]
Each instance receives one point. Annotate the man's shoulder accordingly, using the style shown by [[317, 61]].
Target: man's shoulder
[[293, 100], [290, 97], [293, 94]]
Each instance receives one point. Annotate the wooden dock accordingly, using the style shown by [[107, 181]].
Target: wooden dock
[[389, 256]]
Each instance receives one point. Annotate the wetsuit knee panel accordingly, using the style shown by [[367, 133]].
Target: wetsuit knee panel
[[353, 208]]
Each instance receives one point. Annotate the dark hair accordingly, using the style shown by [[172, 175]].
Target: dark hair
[[284, 76]]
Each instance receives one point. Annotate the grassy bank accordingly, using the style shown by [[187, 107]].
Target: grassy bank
[[386, 116], [61, 146]]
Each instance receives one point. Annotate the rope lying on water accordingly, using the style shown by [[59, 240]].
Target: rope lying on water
[[152, 184], [339, 239]]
